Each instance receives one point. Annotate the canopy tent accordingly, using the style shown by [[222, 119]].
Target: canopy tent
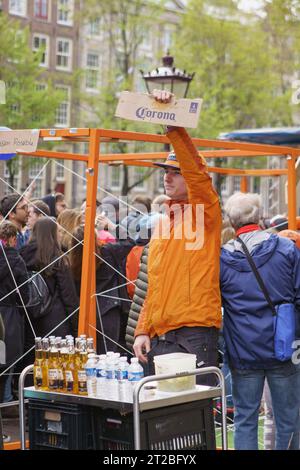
[[267, 135], [96, 137]]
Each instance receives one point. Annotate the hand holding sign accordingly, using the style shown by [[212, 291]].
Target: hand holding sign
[[162, 96]]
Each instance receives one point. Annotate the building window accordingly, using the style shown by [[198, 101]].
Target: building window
[[161, 180], [224, 185], [41, 9], [34, 170], [60, 171], [139, 173], [63, 110], [64, 54], [17, 176], [115, 177], [41, 41], [236, 184], [65, 12], [94, 27], [167, 38], [92, 71], [18, 7], [147, 40], [41, 86]]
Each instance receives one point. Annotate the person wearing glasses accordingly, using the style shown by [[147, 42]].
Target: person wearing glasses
[[15, 210]]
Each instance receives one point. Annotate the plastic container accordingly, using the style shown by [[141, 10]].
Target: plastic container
[[60, 426], [186, 426], [91, 376], [135, 374], [175, 363], [101, 377]]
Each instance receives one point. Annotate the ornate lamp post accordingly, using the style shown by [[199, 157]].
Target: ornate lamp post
[[168, 77]]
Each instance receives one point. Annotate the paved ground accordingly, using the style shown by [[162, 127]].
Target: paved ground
[[11, 426]]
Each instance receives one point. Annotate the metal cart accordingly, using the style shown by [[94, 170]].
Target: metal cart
[[151, 404]]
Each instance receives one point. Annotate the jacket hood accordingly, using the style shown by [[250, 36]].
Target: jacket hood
[[13, 258], [51, 202], [261, 246]]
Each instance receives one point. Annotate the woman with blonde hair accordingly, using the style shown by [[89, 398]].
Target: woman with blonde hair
[[67, 221]]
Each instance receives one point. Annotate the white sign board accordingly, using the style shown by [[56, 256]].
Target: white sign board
[[144, 108], [19, 141]]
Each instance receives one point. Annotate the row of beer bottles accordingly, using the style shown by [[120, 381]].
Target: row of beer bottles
[[60, 363]]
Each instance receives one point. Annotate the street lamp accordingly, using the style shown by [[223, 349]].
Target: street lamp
[[168, 77]]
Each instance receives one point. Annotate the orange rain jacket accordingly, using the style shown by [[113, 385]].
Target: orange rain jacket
[[183, 283]]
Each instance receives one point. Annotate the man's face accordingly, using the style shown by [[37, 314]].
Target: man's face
[[20, 216], [174, 184], [32, 217], [60, 206]]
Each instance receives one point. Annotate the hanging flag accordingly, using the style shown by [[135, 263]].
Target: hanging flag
[[5, 156], [13, 142]]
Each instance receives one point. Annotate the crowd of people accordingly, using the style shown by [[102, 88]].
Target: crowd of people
[[46, 236], [169, 285]]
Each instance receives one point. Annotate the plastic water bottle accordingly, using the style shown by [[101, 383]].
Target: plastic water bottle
[[111, 381], [122, 378], [101, 376], [135, 374], [90, 370]]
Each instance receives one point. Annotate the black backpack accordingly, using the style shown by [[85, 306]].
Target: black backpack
[[39, 296]]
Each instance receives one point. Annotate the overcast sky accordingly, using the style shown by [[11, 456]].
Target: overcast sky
[[250, 4]]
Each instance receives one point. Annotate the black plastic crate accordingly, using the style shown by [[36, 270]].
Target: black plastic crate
[[60, 426], [178, 427]]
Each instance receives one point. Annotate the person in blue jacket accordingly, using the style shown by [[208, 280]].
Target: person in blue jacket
[[248, 324]]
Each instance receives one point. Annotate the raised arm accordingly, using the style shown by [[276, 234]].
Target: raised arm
[[192, 166]]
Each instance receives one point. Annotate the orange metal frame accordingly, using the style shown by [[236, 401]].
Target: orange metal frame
[[95, 137]]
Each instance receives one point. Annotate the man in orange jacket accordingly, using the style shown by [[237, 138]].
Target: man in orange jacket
[[182, 310]]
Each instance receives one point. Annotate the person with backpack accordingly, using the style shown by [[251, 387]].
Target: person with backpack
[[44, 254], [260, 281], [113, 306], [13, 273]]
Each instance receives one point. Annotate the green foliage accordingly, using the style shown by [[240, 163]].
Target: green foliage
[[31, 99], [27, 104], [125, 24], [235, 68]]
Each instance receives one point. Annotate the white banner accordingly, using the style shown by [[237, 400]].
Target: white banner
[[19, 141]]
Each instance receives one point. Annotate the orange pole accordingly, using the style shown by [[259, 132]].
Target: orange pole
[[92, 311], [292, 198], [244, 184], [87, 310]]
